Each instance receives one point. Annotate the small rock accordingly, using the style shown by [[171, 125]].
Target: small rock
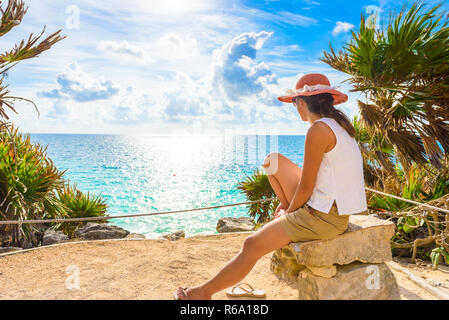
[[135, 236], [51, 237], [98, 231], [231, 224], [9, 249], [27, 244], [175, 235]]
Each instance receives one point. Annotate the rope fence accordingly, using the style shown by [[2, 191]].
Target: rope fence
[[410, 201], [102, 218], [128, 216]]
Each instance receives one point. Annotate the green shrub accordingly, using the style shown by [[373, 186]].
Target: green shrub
[[28, 185], [257, 187], [437, 255], [79, 205], [31, 187]]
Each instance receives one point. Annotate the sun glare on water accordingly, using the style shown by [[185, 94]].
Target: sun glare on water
[[174, 173]]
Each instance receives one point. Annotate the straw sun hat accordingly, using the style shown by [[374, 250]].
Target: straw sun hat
[[313, 84]]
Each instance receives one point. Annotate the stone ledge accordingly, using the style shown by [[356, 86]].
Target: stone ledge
[[367, 240], [355, 281], [349, 267]]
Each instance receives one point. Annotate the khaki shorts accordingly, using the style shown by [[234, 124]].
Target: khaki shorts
[[307, 224]]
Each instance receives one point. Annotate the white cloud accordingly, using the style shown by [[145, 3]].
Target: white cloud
[[123, 48], [238, 90], [173, 46], [81, 87], [234, 71], [167, 60], [342, 27], [165, 48], [58, 111]]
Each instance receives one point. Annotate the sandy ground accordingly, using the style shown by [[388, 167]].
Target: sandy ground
[[138, 269], [438, 278]]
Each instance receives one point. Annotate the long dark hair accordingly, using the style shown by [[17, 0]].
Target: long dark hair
[[323, 104]]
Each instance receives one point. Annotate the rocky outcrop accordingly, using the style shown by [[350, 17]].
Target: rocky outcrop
[[231, 224], [9, 249], [98, 231], [175, 235], [52, 237], [339, 268], [28, 244]]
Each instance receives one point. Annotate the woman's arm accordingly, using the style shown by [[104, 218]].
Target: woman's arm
[[319, 138]]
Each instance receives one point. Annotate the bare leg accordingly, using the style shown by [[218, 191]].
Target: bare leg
[[269, 238], [284, 176], [278, 190]]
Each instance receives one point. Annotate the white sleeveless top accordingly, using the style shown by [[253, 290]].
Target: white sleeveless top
[[340, 177]]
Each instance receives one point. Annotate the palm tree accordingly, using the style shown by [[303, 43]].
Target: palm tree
[[12, 15], [403, 71]]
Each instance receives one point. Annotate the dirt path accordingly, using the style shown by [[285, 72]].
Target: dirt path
[[146, 269], [438, 278]]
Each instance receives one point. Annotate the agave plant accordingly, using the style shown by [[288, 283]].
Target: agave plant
[[79, 205], [256, 187], [408, 188], [403, 71], [28, 184]]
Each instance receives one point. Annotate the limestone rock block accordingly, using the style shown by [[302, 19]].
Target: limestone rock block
[[366, 240], [230, 224], [51, 237], [355, 281], [96, 231], [284, 266], [325, 271]]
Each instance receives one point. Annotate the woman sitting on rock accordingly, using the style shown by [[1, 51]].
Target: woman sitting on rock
[[315, 201]]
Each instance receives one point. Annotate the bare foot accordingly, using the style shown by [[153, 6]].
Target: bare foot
[[193, 293]]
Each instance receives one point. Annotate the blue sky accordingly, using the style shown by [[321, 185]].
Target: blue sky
[[176, 66]]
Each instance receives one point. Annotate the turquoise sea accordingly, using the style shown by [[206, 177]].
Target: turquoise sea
[[141, 174]]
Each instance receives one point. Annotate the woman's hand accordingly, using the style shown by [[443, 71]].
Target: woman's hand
[[280, 213], [280, 210]]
